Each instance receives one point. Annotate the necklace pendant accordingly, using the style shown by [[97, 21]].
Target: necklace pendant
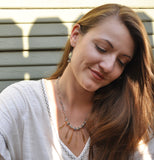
[[62, 126], [67, 134], [83, 137], [70, 139]]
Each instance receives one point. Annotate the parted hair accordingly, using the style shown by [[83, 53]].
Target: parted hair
[[122, 113]]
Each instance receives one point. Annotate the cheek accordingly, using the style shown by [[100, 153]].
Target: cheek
[[117, 73]]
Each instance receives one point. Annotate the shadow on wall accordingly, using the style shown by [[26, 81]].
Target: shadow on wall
[[10, 44], [47, 39]]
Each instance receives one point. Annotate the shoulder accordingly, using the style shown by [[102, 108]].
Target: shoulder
[[21, 90], [19, 86], [22, 93], [18, 99]]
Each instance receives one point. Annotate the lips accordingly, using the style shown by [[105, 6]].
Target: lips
[[96, 74]]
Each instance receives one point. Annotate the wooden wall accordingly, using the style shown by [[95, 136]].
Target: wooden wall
[[34, 32]]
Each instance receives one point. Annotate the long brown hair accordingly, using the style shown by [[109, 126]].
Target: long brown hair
[[122, 113]]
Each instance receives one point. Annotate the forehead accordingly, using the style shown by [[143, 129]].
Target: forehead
[[112, 23], [114, 31]]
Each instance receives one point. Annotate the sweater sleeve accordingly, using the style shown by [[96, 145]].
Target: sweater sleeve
[[11, 114], [145, 151]]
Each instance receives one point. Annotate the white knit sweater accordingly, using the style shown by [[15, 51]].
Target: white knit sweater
[[26, 131]]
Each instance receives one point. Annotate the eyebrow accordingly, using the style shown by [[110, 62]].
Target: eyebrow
[[130, 57]]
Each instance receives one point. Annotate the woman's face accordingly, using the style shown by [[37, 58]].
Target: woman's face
[[100, 55]]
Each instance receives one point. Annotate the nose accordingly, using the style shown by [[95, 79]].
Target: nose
[[107, 63]]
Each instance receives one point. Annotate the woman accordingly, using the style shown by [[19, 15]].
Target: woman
[[99, 101]]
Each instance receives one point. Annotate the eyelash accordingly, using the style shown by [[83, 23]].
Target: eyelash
[[121, 63], [102, 50]]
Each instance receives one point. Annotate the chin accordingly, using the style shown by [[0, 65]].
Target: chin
[[91, 88]]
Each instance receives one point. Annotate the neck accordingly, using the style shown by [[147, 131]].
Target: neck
[[73, 95], [76, 100]]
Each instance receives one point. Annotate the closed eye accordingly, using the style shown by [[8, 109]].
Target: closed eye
[[100, 49], [122, 64]]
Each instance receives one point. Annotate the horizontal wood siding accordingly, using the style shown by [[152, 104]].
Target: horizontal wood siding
[[33, 33]]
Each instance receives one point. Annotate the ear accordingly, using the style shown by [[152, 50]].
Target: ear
[[75, 35]]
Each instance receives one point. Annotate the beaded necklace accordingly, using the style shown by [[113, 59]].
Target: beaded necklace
[[66, 121]]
